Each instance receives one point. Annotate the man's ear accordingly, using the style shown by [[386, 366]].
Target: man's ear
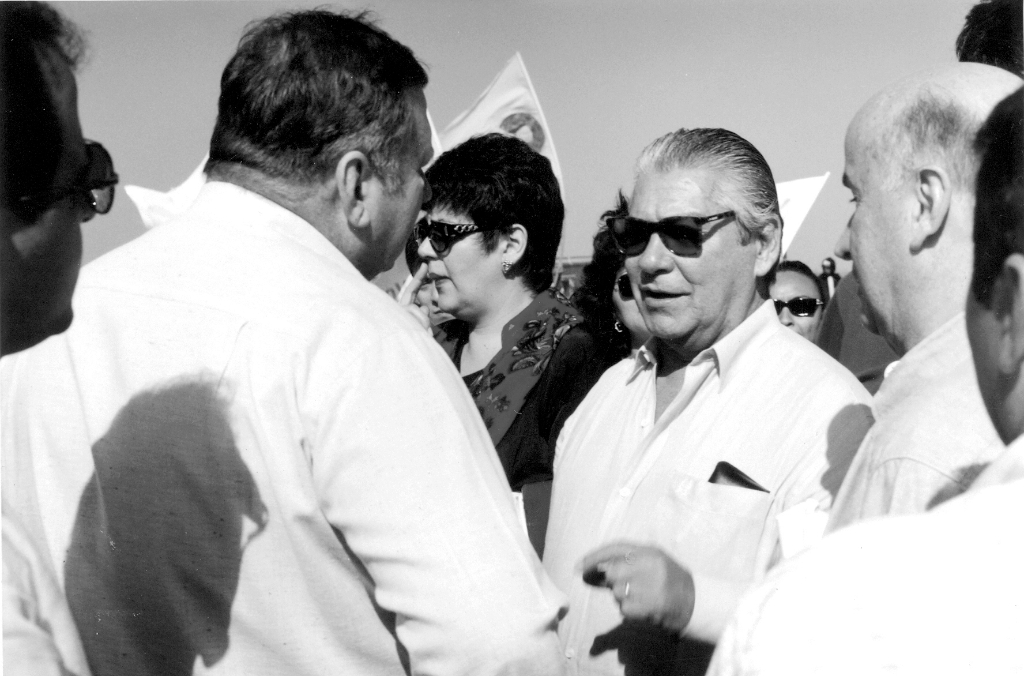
[[351, 175], [932, 195], [1007, 304], [515, 244], [768, 241]]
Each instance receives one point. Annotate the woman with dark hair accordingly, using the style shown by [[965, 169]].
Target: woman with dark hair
[[489, 242], [606, 299]]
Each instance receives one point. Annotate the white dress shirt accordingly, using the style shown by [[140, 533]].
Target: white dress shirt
[[933, 593], [40, 638], [249, 460], [763, 399], [931, 437]]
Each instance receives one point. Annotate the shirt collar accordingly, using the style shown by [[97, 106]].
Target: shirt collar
[[230, 203], [727, 351]]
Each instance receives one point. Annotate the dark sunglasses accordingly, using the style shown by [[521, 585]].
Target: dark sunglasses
[[96, 185], [682, 235], [443, 235], [801, 306], [625, 288]]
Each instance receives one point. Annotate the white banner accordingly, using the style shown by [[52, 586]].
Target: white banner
[[509, 105], [795, 201]]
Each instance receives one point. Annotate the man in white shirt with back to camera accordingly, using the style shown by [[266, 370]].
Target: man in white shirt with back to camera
[[911, 169], [245, 457], [937, 592], [670, 475]]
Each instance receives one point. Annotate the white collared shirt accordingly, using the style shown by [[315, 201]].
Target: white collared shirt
[[245, 449], [931, 437], [938, 592], [763, 399]]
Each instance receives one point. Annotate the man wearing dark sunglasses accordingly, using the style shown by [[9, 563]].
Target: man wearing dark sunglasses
[[670, 475]]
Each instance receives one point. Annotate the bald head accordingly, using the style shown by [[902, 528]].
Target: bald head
[[911, 166], [931, 117]]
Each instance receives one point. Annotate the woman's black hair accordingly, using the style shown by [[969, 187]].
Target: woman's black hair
[[594, 297]]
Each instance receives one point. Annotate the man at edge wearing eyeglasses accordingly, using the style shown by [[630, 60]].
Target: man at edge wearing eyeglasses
[[52, 179], [671, 473], [910, 242]]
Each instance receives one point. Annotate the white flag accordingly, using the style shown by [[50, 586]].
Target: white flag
[[795, 201], [509, 105], [435, 140], [157, 208]]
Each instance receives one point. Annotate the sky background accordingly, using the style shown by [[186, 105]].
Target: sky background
[[788, 75]]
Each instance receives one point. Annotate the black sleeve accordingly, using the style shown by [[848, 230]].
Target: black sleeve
[[527, 450]]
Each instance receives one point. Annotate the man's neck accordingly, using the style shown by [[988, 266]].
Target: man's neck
[[299, 199], [674, 356]]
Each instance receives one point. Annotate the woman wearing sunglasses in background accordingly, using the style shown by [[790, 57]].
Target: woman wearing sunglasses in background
[[798, 297], [605, 298], [489, 241]]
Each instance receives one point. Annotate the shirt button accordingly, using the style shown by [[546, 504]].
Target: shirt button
[[625, 491], [570, 653]]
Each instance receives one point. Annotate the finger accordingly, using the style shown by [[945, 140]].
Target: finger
[[610, 552], [408, 291]]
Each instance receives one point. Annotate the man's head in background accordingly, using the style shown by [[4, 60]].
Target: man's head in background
[[798, 297], [52, 178], [911, 166], [992, 34], [995, 305], [324, 113]]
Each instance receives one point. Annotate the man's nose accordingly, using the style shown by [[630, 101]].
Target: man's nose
[[785, 317], [655, 257], [425, 250]]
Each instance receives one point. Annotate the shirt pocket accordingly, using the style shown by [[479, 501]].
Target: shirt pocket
[[713, 528]]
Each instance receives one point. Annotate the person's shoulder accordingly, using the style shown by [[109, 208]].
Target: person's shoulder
[[579, 341], [804, 365]]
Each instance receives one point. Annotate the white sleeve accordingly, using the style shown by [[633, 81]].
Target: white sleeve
[[406, 472]]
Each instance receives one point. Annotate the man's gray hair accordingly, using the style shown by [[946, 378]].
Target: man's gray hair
[[936, 126], [747, 182]]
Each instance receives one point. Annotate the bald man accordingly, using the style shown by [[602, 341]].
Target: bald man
[[911, 167]]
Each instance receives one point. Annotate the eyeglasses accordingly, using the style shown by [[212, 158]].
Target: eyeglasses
[[443, 235], [97, 185], [625, 288], [682, 235], [801, 306]]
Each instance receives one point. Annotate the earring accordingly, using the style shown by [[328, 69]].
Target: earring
[[505, 266], [619, 328]]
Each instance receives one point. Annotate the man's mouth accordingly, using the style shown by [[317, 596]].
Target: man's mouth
[[655, 294]]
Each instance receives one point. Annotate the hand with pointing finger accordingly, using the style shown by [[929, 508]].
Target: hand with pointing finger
[[646, 582], [407, 296]]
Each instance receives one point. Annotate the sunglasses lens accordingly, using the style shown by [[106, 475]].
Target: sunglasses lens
[[803, 307], [682, 238], [629, 234], [440, 243], [625, 289], [102, 199], [798, 307]]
